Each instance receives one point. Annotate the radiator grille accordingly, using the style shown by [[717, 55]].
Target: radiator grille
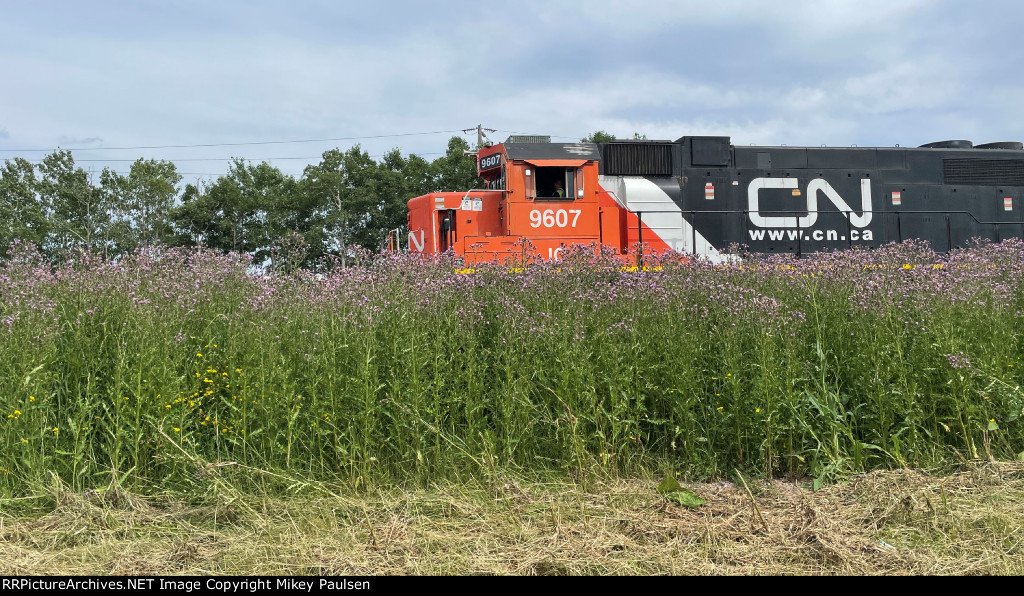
[[983, 172], [637, 159]]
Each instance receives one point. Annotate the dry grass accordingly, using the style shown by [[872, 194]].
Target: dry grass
[[902, 522]]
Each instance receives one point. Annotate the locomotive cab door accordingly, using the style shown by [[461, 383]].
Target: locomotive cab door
[[447, 229]]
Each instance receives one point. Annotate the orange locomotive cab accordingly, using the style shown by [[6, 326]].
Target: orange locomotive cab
[[537, 199]]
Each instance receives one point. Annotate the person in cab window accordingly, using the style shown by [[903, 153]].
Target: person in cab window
[[559, 191]]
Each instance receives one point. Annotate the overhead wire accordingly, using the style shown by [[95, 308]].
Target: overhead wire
[[247, 143], [258, 159], [244, 143]]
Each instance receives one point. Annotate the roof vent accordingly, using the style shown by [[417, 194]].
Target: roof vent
[[1014, 145], [958, 144], [642, 158], [528, 139]]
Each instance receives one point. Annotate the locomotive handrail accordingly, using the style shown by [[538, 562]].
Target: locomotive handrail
[[466, 196], [796, 211]]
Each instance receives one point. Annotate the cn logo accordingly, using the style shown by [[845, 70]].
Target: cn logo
[[813, 188]]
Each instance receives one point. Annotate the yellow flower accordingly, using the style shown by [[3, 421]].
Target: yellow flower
[[198, 355], [757, 411], [24, 440], [55, 430], [721, 408], [31, 398], [168, 406], [177, 430], [17, 412], [991, 419]]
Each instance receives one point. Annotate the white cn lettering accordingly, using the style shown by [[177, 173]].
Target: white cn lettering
[[860, 221], [417, 243], [813, 188], [777, 222]]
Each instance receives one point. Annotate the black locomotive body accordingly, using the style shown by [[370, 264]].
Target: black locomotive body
[[807, 199]]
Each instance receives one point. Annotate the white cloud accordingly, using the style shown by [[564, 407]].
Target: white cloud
[[794, 19], [873, 72], [78, 142]]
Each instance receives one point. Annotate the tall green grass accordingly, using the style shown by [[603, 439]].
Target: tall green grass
[[403, 371]]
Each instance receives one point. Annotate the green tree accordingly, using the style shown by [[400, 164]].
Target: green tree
[[420, 177], [398, 179], [78, 213], [193, 217], [455, 171], [141, 203], [341, 192], [22, 215], [239, 212], [599, 136]]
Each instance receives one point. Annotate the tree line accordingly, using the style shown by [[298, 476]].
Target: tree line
[[347, 200]]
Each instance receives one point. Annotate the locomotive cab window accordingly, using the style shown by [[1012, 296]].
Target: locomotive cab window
[[554, 183]]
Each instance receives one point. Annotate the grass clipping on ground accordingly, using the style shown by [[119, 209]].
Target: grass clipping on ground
[[890, 522]]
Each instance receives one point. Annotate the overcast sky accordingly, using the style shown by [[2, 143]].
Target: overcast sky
[[94, 75]]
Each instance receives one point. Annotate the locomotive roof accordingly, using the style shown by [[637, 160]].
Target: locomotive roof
[[586, 151]]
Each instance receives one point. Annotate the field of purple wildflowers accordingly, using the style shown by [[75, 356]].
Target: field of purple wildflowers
[[165, 363]]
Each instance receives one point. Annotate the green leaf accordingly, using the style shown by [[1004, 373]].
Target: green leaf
[[992, 425], [674, 493], [668, 485], [686, 498]]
